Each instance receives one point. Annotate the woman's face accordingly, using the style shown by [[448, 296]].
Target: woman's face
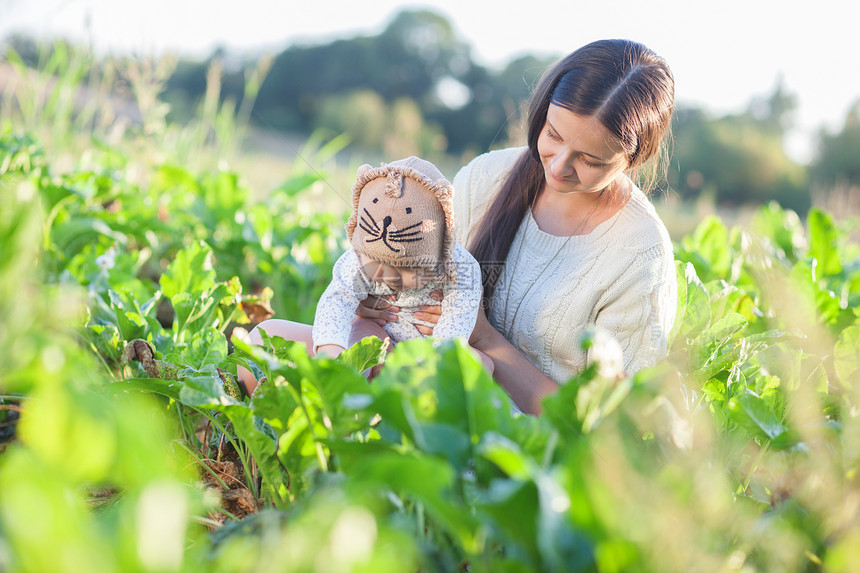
[[578, 153]]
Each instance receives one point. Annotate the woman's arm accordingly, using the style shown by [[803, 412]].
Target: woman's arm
[[525, 384]]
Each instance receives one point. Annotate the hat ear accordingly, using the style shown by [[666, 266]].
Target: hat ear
[[362, 170]]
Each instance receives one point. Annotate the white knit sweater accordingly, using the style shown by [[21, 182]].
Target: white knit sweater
[[620, 277]]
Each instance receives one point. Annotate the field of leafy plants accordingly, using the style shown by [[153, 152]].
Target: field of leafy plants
[[125, 444]]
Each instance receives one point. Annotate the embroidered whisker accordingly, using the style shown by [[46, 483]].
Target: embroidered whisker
[[410, 227], [399, 234], [372, 220], [366, 229], [396, 240]]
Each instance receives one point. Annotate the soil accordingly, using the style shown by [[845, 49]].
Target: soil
[[236, 499]]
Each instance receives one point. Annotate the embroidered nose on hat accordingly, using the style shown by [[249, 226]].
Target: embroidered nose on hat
[[402, 215]]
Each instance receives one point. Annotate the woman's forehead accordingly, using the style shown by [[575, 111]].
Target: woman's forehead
[[584, 133]]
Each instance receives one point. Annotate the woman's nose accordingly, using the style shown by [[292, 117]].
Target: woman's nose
[[562, 164]]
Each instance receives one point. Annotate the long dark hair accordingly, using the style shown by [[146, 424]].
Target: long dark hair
[[628, 88]]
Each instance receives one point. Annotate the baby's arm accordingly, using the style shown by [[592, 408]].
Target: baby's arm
[[336, 308], [461, 300]]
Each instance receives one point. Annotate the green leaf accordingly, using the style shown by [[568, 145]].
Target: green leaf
[[169, 178], [750, 411], [183, 307], [694, 311], [207, 346], [169, 388], [721, 332], [823, 243], [275, 403], [190, 272], [130, 319], [71, 236], [710, 242], [298, 183], [439, 396], [364, 354], [562, 547], [847, 356], [418, 477], [203, 389], [781, 226], [262, 443]]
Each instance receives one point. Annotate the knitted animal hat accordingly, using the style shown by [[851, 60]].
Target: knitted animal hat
[[402, 216]]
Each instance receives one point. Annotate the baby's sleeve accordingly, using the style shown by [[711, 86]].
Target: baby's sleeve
[[336, 308], [461, 300]]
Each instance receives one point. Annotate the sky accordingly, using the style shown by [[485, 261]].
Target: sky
[[723, 54]]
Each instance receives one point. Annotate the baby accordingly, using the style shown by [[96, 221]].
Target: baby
[[402, 243]]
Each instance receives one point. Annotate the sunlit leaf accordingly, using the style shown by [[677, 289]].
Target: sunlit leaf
[[847, 356]]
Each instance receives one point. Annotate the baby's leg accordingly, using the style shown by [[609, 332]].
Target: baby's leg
[[295, 331], [364, 327]]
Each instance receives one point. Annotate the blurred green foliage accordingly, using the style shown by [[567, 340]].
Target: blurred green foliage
[[125, 444]]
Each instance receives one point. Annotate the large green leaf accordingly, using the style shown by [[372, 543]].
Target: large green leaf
[[782, 227], [847, 356], [366, 353], [823, 243], [204, 389], [422, 478], [190, 272], [694, 311], [561, 546], [754, 414], [439, 395], [709, 248]]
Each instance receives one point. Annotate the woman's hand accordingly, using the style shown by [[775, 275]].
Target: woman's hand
[[429, 313]]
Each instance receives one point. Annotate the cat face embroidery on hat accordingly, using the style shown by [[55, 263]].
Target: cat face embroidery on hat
[[400, 222], [402, 215]]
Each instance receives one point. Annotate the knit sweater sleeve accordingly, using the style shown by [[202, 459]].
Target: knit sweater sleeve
[[641, 308], [337, 305]]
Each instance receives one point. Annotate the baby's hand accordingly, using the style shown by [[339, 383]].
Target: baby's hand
[[378, 309], [330, 350]]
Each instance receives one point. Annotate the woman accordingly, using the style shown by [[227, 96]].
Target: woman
[[564, 237]]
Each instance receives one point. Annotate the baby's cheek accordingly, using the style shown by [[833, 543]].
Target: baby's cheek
[[418, 280]]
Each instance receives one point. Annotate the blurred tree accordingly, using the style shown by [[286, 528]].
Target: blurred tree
[[26, 48], [408, 59], [418, 57], [739, 159], [185, 87], [492, 115], [837, 162], [775, 112], [408, 134], [361, 114], [397, 129]]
